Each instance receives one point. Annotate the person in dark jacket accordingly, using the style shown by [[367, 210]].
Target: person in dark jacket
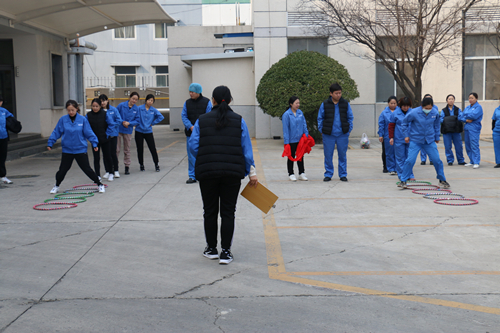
[[451, 128], [74, 131], [221, 144], [99, 121], [193, 108], [4, 139]]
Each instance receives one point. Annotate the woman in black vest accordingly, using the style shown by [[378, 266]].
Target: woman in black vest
[[451, 128], [221, 144], [98, 120]]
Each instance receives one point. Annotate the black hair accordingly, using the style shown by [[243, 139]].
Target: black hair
[[405, 101], [74, 104], [335, 87], [222, 95], [103, 97], [450, 95], [134, 93], [1, 98], [392, 98], [150, 96], [291, 100], [427, 101], [474, 94], [96, 100], [427, 95]]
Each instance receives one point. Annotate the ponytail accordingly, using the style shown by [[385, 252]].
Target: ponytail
[[222, 95]]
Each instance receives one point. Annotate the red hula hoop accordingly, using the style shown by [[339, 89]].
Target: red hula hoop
[[442, 201]]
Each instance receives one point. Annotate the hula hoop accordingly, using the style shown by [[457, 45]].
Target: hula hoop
[[416, 182], [76, 199], [81, 195], [68, 205], [436, 195], [437, 189], [79, 190], [429, 187], [75, 191], [472, 201], [80, 186]]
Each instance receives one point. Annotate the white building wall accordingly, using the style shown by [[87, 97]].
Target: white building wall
[[226, 14]]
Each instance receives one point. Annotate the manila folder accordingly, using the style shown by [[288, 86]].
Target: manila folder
[[260, 196]]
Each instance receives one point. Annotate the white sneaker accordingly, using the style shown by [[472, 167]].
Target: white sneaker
[[302, 176], [468, 164], [102, 189], [106, 175], [6, 180], [476, 166], [54, 190], [99, 177], [293, 178], [117, 174], [110, 177]]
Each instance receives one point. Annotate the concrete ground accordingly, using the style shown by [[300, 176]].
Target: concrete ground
[[361, 256]]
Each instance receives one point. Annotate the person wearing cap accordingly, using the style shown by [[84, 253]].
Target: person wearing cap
[[193, 108]]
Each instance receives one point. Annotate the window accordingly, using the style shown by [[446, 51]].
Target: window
[[57, 80], [161, 30], [482, 66], [125, 76], [162, 76], [309, 44], [125, 32]]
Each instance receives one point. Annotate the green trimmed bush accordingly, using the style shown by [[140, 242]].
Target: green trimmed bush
[[307, 75]]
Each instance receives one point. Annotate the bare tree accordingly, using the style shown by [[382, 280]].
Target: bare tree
[[400, 34]]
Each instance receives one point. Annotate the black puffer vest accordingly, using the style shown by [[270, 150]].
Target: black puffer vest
[[97, 121], [451, 124], [329, 107], [195, 108], [220, 153]]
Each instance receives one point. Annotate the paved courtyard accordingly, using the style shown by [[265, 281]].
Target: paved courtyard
[[361, 256]]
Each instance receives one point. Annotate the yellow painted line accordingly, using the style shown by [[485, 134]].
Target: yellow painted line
[[170, 145], [277, 270], [488, 162], [369, 273], [389, 226]]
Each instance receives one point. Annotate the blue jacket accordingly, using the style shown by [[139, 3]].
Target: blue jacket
[[4, 114], [114, 121], [293, 126], [74, 135], [383, 122], [421, 127], [496, 118], [127, 114], [474, 113], [397, 118], [337, 124], [147, 119]]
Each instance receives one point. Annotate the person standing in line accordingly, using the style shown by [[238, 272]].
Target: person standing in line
[[4, 140], [472, 116], [99, 121], [74, 131], [421, 130], [335, 122], [112, 133], [495, 124], [383, 132], [423, 154], [128, 111], [193, 108], [147, 117], [396, 136], [220, 141], [451, 128], [294, 126]]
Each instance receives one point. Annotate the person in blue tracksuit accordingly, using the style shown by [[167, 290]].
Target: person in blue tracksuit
[[472, 116], [495, 124], [147, 117], [294, 126], [383, 132], [421, 129], [451, 128], [128, 112], [423, 155], [74, 131], [4, 139], [335, 122], [398, 138], [112, 133]]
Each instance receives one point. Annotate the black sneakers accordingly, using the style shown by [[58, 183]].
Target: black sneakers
[[190, 181], [211, 253], [142, 167], [127, 172], [444, 184], [327, 179], [344, 179], [225, 257], [157, 168]]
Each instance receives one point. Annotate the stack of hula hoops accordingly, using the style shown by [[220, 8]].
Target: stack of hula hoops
[[69, 198], [439, 195]]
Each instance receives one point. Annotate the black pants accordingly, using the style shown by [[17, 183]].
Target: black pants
[[83, 163], [106, 156], [113, 142], [289, 164], [139, 142], [223, 193], [383, 156], [3, 156]]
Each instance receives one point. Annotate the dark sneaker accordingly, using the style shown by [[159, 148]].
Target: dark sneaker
[[344, 179], [211, 253], [157, 168], [402, 185], [142, 168], [422, 163], [450, 163], [385, 171], [127, 172], [444, 184], [225, 257], [190, 181], [327, 179], [461, 163], [431, 163], [497, 166]]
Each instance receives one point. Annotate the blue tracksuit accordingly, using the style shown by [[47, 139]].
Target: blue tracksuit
[[423, 130], [114, 121], [383, 131], [147, 119], [4, 114], [400, 146], [336, 138], [127, 114], [496, 134], [456, 138], [74, 135], [423, 155], [294, 126], [472, 131]]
